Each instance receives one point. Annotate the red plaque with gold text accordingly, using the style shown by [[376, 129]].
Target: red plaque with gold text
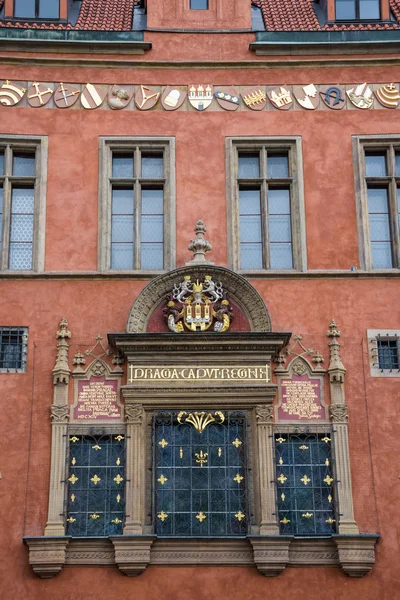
[[97, 400], [301, 399]]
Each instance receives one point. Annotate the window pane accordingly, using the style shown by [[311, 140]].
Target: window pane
[[249, 202], [249, 166], [379, 228], [122, 228], [375, 165], [279, 228], [388, 354], [122, 256], [12, 344], [381, 255], [22, 201], [24, 8], [281, 256], [278, 202], [122, 202], [198, 4], [152, 166], [1, 216], [152, 256], [345, 9], [49, 9], [122, 166], [377, 200], [278, 166], [398, 203], [397, 163], [24, 165], [21, 231], [251, 256], [1, 163], [370, 9], [152, 202], [250, 228], [152, 228]]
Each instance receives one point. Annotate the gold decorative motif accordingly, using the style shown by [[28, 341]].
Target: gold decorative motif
[[283, 497], [116, 521], [328, 479], [118, 479], [163, 443], [327, 462], [219, 452], [73, 479], [118, 498], [330, 521], [94, 516], [73, 497], [96, 447], [118, 461], [201, 457], [162, 516], [237, 443], [180, 452], [330, 498], [238, 478], [282, 478], [71, 520], [200, 420], [305, 480], [119, 437], [285, 521], [326, 439], [74, 439], [95, 479], [201, 517], [73, 461], [162, 479], [303, 447], [239, 515], [280, 440], [281, 460], [307, 515]]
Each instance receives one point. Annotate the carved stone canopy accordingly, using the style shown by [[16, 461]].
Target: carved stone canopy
[[239, 290]]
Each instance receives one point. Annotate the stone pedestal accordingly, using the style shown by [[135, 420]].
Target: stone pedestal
[[132, 553], [271, 554], [356, 553], [47, 555]]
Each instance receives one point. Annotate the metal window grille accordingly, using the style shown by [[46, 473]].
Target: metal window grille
[[96, 483], [305, 482], [200, 478], [13, 348], [388, 354]]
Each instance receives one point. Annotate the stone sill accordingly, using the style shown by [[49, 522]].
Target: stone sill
[[355, 554]]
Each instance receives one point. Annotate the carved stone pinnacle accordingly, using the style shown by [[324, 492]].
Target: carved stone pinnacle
[[199, 246], [63, 332], [333, 330]]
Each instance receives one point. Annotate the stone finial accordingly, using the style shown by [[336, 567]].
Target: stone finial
[[199, 246], [336, 368], [61, 369], [63, 331], [333, 330]]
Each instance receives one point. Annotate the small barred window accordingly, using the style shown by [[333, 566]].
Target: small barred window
[[388, 353], [13, 348]]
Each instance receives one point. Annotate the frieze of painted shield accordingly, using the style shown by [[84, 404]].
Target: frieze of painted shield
[[11, 93], [334, 96], [228, 98], [281, 97], [93, 96], [172, 98], [254, 98], [307, 96], [39, 94], [146, 97], [66, 95], [119, 96], [200, 96], [361, 96], [388, 95]]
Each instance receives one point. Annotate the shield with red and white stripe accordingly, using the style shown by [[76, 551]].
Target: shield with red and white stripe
[[93, 96]]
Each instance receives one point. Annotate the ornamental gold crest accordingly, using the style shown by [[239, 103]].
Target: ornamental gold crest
[[198, 305]]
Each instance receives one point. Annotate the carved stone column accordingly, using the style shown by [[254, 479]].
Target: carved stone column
[[269, 523], [135, 467], [59, 416], [339, 416]]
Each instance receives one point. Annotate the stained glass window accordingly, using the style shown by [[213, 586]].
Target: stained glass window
[[96, 483], [305, 482], [200, 476]]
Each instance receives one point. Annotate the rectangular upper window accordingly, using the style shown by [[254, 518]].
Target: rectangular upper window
[[358, 10], [378, 198], [23, 163], [137, 204], [265, 198], [37, 9], [13, 349], [198, 4]]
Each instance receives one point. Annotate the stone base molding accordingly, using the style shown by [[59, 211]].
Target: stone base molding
[[47, 555], [356, 553], [271, 554], [132, 553]]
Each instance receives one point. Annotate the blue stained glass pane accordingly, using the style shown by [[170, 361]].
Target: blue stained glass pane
[[345, 10], [1, 163], [250, 228], [281, 256], [249, 202], [381, 255], [20, 257], [375, 165], [278, 201], [49, 9], [152, 256], [251, 256], [22, 201], [21, 228], [122, 202], [24, 8], [24, 165], [122, 256], [397, 163], [377, 200], [152, 228], [122, 228], [152, 202], [122, 166], [249, 166], [280, 228], [370, 9], [379, 228], [278, 166], [152, 167]]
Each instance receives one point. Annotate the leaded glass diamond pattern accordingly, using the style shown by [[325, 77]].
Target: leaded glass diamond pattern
[[21, 232]]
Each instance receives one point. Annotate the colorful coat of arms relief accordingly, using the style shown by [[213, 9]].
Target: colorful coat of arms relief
[[197, 305]]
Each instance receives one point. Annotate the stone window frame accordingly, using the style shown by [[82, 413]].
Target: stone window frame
[[379, 143], [38, 145], [106, 147], [292, 145], [372, 337], [24, 349]]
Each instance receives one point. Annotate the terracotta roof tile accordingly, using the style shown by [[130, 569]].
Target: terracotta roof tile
[[107, 15]]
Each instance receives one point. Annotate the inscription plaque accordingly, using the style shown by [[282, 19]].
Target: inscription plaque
[[97, 400], [205, 373], [301, 399]]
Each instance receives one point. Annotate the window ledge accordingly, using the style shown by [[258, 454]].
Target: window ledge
[[355, 554]]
